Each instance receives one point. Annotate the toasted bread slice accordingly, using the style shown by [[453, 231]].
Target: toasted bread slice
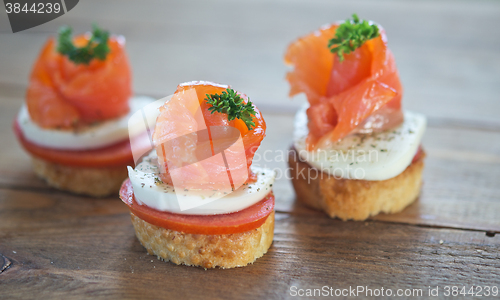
[[207, 251], [351, 199], [96, 182]]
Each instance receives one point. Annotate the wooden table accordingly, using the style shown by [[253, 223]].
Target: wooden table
[[57, 245]]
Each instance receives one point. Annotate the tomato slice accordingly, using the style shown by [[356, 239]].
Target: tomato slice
[[119, 154], [245, 220], [420, 153]]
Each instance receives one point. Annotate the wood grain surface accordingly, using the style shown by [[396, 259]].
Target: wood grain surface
[[74, 247], [55, 245]]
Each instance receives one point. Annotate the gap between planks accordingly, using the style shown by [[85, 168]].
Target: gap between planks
[[488, 232]]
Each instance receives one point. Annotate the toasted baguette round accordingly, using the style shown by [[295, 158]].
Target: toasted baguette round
[[350, 199], [96, 182], [207, 251]]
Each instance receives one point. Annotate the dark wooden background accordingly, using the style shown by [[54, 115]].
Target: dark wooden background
[[64, 246]]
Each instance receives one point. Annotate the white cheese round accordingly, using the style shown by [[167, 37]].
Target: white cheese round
[[91, 137], [378, 156], [149, 190]]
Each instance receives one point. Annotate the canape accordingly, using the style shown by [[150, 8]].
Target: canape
[[74, 122], [356, 153], [195, 198]]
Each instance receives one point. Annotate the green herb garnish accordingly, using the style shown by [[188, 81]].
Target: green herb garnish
[[97, 46], [351, 35], [230, 103]]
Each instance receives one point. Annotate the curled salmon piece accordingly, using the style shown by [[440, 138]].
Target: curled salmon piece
[[360, 94], [198, 149], [62, 94]]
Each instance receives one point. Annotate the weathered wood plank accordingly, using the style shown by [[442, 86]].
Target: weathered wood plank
[[73, 247]]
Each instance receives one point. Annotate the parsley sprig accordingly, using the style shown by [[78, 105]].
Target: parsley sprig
[[96, 47], [351, 35], [230, 103]]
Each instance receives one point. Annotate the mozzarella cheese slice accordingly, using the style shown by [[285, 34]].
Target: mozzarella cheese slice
[[149, 190], [92, 137], [378, 156]]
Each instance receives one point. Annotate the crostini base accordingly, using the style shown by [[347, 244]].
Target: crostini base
[[96, 182], [350, 199], [207, 251]]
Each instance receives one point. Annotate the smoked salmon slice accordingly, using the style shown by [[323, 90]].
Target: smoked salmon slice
[[62, 94], [187, 135], [343, 95]]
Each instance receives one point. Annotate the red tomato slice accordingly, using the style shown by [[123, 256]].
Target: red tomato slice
[[420, 153], [119, 154], [245, 220]]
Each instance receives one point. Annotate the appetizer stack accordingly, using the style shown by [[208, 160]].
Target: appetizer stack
[[355, 152], [74, 122], [195, 199], [194, 196]]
